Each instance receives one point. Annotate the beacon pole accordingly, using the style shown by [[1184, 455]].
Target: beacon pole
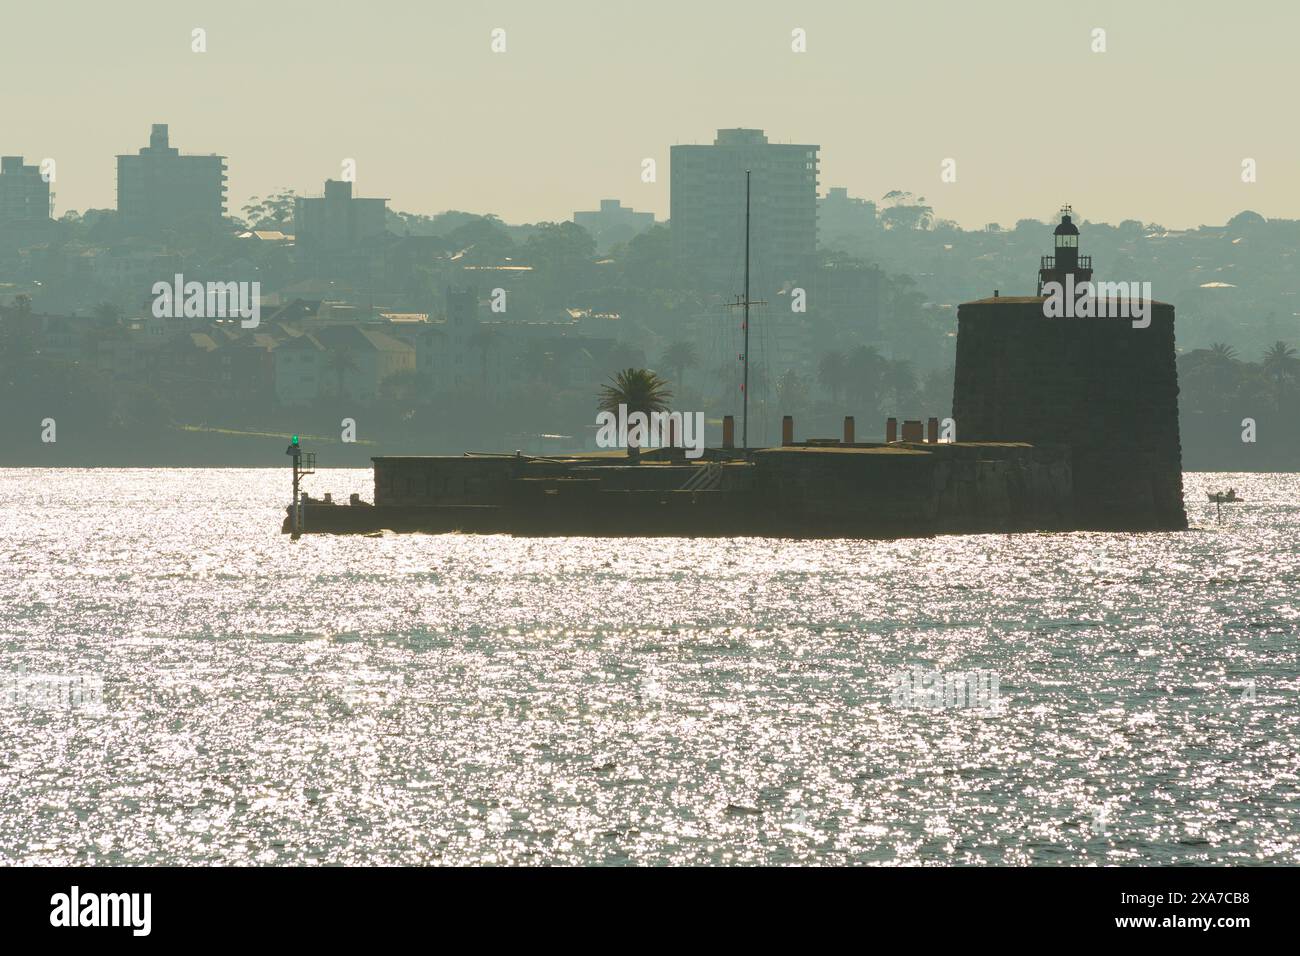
[[295, 451]]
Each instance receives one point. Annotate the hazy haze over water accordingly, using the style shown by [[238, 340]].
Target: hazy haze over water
[[424, 699]]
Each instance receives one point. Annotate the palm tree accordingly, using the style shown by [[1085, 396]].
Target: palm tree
[[1280, 359], [680, 356], [341, 362], [1280, 364], [640, 389], [1223, 352]]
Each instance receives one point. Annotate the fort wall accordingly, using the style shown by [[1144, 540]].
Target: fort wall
[[1105, 388]]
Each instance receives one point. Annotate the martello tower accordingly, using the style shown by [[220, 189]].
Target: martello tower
[[1106, 387]]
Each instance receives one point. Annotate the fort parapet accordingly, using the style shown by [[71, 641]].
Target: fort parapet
[[822, 490]]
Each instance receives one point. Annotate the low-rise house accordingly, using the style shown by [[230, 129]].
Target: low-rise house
[[338, 361]]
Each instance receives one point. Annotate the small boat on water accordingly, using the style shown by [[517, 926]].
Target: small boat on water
[[1224, 497]]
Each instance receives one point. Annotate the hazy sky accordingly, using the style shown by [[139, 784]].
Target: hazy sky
[[1155, 128]]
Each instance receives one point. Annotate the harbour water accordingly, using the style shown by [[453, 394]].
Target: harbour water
[[180, 683]]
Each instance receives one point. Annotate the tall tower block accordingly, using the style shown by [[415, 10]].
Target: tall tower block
[[1102, 386]]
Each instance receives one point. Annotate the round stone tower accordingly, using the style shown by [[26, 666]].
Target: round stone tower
[[1091, 367]]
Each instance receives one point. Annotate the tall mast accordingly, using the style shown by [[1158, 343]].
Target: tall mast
[[744, 302], [744, 426]]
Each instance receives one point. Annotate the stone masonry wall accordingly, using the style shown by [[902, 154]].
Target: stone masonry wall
[[1101, 386]]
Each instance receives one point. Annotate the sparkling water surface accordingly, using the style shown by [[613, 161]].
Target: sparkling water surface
[[414, 699]]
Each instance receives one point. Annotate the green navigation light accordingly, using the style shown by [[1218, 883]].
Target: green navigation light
[[295, 439]]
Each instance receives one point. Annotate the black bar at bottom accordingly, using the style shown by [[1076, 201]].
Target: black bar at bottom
[[941, 906]]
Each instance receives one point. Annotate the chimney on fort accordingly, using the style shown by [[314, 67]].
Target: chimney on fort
[[1104, 386]]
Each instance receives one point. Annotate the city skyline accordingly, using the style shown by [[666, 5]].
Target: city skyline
[[526, 135]]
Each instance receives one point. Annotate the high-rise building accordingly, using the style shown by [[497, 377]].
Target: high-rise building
[[159, 186], [336, 222], [613, 223], [708, 209], [844, 220], [24, 192]]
